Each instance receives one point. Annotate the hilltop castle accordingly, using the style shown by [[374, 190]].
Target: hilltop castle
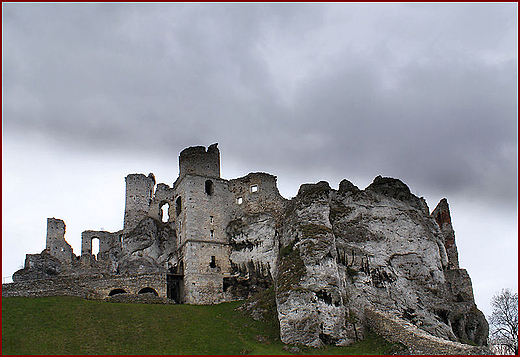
[[339, 261], [174, 238]]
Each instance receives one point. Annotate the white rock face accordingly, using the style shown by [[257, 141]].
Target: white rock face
[[254, 242], [348, 250], [310, 292], [253, 254]]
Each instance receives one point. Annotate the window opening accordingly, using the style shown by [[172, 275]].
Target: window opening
[[211, 219], [165, 212], [116, 291], [212, 233], [254, 188], [95, 246], [212, 264], [148, 290], [209, 187], [178, 205], [239, 200]]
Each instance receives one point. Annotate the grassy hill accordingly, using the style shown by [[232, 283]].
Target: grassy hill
[[66, 325]]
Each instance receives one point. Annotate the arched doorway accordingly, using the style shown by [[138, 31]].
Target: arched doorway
[[165, 212], [95, 246], [148, 290], [116, 291]]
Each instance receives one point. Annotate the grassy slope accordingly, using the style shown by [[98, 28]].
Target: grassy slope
[[64, 325]]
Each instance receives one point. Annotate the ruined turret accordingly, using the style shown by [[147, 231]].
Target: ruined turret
[[138, 197], [197, 161]]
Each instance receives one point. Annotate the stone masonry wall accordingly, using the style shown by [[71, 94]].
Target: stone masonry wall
[[259, 194], [418, 341], [196, 160], [203, 213], [56, 244], [92, 287], [139, 191]]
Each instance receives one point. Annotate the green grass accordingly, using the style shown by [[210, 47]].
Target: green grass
[[65, 325]]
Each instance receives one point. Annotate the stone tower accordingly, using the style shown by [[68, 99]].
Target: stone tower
[[201, 215], [139, 192], [197, 161], [56, 244]]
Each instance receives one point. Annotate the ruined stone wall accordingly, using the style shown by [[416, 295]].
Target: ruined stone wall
[[256, 193], [418, 341], [163, 199], [92, 287], [197, 161], [110, 245], [203, 212], [107, 241], [56, 244], [202, 221], [205, 264], [138, 197]]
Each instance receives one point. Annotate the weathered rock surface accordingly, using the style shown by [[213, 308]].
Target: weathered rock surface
[[309, 289], [253, 254], [39, 266], [148, 247], [348, 250]]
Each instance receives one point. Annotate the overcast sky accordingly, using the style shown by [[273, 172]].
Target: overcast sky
[[426, 93]]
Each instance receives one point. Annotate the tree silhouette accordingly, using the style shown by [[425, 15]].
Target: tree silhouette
[[504, 322]]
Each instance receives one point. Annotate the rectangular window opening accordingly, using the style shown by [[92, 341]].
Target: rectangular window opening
[[239, 200], [254, 188], [212, 233], [211, 219]]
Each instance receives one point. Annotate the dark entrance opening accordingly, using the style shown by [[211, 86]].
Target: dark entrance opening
[[148, 290], [178, 206], [174, 287], [116, 291], [209, 187]]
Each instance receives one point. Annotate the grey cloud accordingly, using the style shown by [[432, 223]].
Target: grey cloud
[[399, 89]]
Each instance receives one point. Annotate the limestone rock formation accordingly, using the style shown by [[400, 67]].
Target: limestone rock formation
[[147, 248], [348, 250], [254, 250]]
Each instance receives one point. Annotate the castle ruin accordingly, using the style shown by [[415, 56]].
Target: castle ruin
[[339, 261], [175, 234]]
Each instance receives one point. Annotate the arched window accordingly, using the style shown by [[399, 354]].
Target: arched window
[[148, 290], [95, 246], [178, 205], [165, 212], [116, 291], [209, 187]]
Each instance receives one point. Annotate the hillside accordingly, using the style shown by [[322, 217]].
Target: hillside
[[66, 325]]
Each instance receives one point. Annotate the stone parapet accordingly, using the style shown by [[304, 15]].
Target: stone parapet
[[418, 341], [90, 287]]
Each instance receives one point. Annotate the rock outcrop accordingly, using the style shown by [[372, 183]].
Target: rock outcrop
[[349, 250]]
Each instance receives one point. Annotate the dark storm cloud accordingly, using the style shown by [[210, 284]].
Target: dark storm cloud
[[426, 93]]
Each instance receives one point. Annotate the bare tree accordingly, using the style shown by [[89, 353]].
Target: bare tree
[[504, 322]]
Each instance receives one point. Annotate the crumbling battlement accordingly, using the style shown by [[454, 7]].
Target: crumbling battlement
[[138, 197], [56, 243], [197, 161]]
